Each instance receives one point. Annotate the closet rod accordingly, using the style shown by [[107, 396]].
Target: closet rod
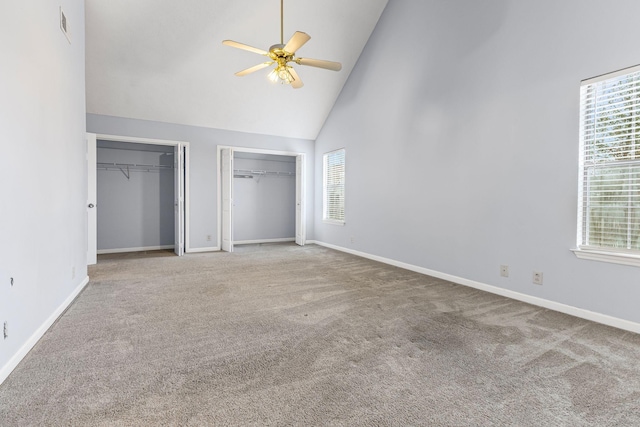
[[247, 173], [133, 165]]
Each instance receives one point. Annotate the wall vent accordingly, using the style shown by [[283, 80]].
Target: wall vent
[[64, 24]]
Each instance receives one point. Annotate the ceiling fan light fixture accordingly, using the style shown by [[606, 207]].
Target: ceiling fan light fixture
[[273, 75], [285, 75], [281, 74]]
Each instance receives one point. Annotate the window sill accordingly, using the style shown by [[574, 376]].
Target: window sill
[[606, 256], [333, 221]]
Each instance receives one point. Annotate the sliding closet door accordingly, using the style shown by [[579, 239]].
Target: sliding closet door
[[226, 183], [178, 158], [301, 233]]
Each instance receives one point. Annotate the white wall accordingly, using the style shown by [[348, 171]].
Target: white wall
[[136, 211], [264, 207], [203, 164], [460, 123], [43, 176]]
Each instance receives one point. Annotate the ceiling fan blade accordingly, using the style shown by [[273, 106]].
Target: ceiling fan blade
[[296, 41], [319, 63], [297, 82], [245, 47], [253, 69]]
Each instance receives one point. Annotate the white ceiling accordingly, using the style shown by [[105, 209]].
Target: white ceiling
[[164, 60]]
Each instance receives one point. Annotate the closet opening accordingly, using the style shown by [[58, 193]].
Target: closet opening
[[262, 197], [139, 196]]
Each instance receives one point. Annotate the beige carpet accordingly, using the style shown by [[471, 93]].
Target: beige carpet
[[284, 335]]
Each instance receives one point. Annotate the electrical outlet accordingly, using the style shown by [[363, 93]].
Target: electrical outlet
[[537, 277], [353, 239], [208, 237], [504, 270], [6, 329]]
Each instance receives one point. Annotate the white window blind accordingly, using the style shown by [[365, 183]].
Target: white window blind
[[609, 197], [333, 186]]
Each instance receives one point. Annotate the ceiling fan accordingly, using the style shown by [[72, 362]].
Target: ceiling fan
[[282, 55]]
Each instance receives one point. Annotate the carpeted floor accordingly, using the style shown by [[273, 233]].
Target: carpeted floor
[[287, 335]]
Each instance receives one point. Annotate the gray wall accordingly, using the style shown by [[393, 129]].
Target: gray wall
[[203, 164], [138, 211], [43, 183], [467, 158], [264, 206]]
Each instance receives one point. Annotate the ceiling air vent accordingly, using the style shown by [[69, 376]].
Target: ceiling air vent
[[64, 24]]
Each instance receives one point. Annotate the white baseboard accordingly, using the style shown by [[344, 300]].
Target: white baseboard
[[540, 302], [240, 242], [197, 250], [145, 248], [255, 242], [35, 337]]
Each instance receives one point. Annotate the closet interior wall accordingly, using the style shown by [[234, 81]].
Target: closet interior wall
[[264, 188], [135, 203]]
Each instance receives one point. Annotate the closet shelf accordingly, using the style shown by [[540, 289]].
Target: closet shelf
[[127, 168], [246, 173]]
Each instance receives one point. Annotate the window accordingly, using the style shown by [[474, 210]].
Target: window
[[609, 197], [333, 187]]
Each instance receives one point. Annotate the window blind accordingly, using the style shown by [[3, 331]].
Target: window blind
[[609, 197], [333, 188]]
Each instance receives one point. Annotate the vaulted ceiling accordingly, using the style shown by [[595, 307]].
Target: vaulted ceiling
[[164, 60]]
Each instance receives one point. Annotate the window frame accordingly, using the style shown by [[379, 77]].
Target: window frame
[[583, 250], [325, 190]]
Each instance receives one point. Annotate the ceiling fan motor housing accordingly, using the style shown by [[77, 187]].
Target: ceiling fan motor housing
[[281, 56]]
